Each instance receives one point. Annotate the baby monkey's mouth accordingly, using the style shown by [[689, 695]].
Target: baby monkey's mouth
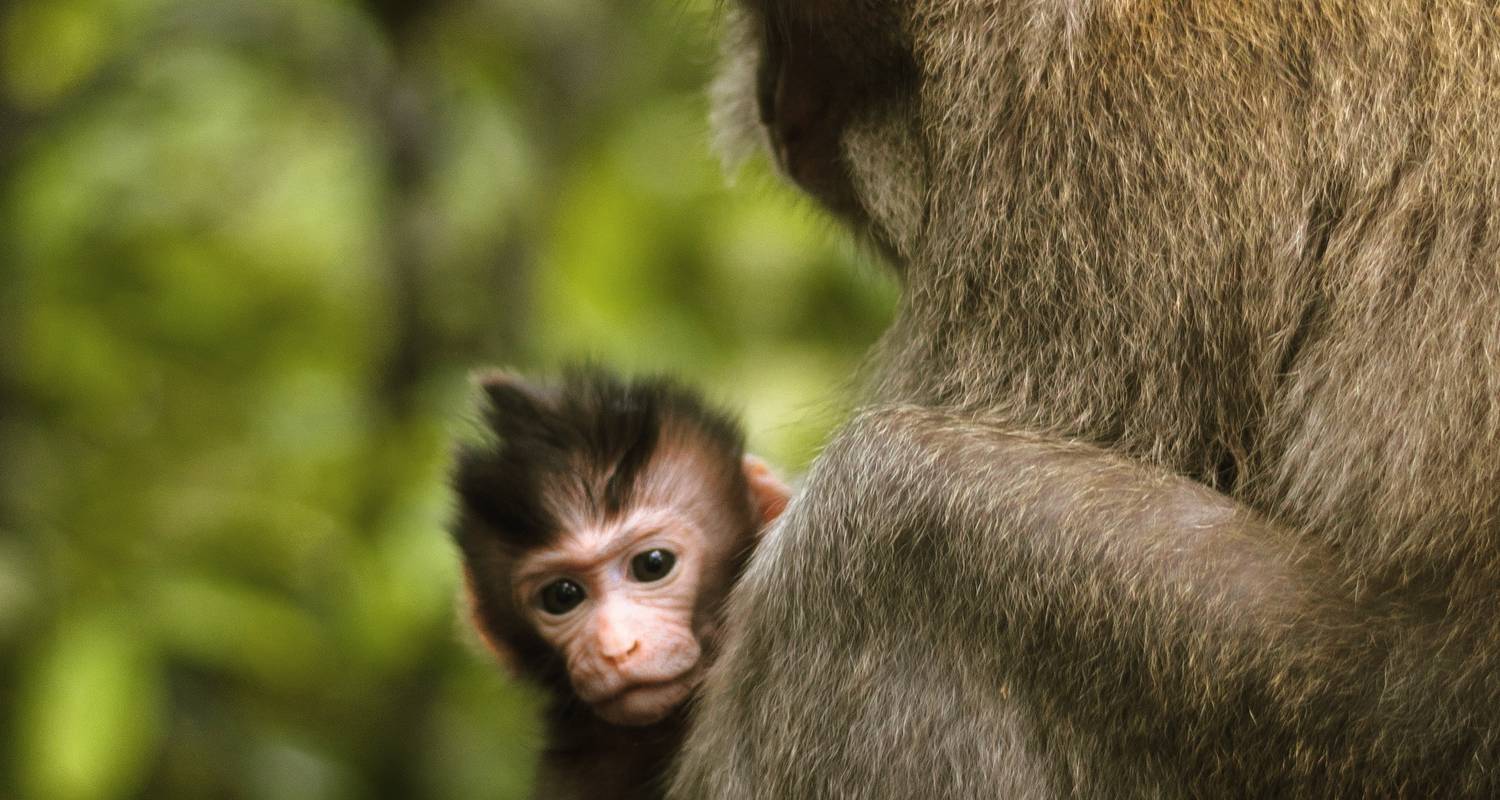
[[610, 686], [648, 702]]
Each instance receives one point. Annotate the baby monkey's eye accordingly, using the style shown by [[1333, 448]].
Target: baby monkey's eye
[[652, 565], [561, 596]]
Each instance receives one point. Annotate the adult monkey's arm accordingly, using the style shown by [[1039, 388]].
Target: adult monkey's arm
[[1139, 616]]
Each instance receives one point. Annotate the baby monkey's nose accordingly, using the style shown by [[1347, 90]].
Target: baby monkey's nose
[[616, 655]]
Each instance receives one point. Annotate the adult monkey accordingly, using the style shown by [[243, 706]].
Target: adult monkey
[[1180, 474]]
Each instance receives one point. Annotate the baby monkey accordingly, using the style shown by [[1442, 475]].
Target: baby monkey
[[600, 535]]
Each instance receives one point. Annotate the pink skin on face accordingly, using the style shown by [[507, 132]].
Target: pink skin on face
[[631, 646]]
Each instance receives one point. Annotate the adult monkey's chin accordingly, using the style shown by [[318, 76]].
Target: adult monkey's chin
[[644, 704]]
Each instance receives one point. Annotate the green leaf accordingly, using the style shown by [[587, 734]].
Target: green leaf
[[91, 714]]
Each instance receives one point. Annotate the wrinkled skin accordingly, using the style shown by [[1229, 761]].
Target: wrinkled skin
[[1178, 478], [631, 645]]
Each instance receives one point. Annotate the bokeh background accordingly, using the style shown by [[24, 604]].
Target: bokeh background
[[249, 250]]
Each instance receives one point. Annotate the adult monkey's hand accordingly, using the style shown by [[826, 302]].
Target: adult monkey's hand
[[1235, 268]]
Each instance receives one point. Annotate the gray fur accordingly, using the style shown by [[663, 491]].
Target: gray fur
[[1181, 475]]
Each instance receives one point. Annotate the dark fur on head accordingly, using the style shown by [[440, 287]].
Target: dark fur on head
[[593, 432]]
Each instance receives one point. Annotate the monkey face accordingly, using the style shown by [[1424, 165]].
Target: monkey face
[[601, 537], [621, 602]]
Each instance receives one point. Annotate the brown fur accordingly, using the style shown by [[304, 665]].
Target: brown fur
[[1180, 474]]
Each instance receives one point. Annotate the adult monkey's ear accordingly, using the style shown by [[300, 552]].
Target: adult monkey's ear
[[512, 402], [768, 493]]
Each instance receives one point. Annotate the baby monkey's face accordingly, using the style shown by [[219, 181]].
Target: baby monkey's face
[[627, 603], [608, 519]]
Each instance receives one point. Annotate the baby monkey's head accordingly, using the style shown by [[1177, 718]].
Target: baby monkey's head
[[601, 531]]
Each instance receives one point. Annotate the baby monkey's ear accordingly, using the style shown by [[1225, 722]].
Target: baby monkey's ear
[[513, 403], [768, 492]]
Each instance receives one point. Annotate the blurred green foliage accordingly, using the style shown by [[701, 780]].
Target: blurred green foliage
[[249, 250]]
